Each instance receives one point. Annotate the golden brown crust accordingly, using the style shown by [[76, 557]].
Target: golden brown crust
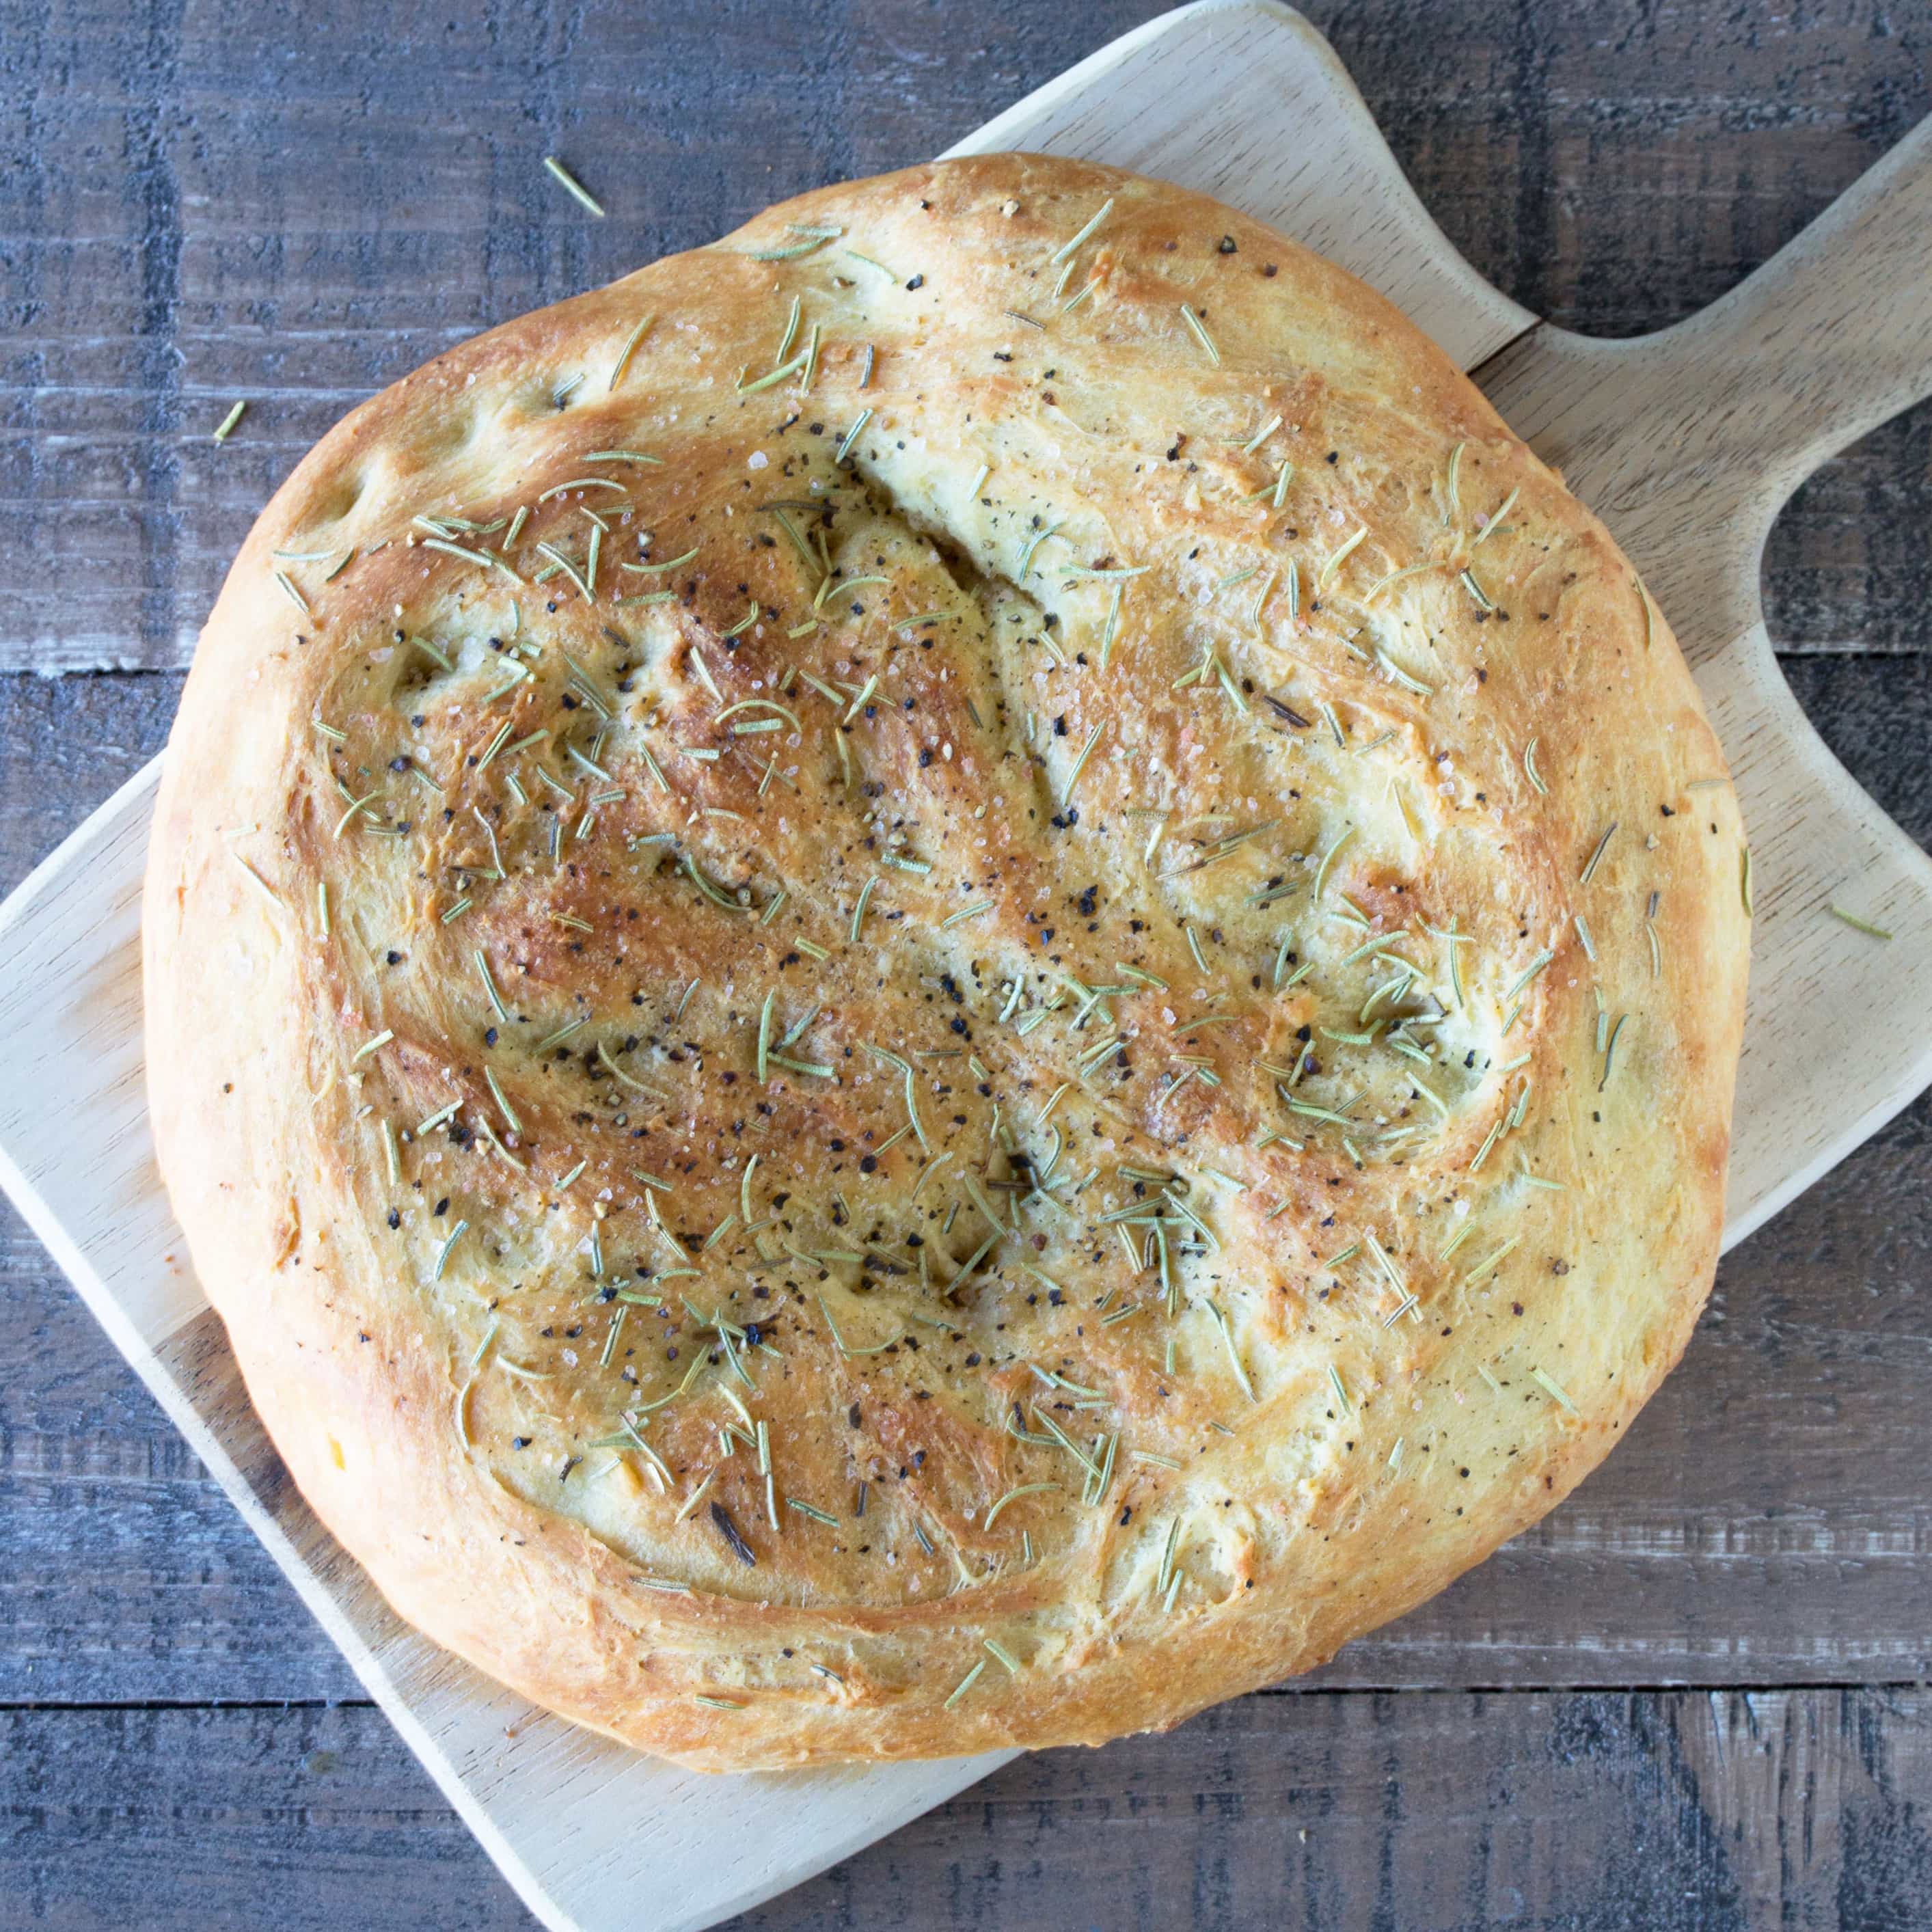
[[1104, 713]]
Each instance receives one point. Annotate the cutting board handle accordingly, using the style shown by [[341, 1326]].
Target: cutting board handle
[[1689, 442]]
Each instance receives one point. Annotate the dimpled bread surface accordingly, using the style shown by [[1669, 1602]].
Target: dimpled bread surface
[[948, 978]]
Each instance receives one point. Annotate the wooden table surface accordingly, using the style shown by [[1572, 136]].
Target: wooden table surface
[[1696, 1697]]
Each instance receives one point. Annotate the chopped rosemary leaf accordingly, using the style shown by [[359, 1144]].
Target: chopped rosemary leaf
[[583, 483], [1483, 1268], [703, 884], [1408, 683], [1328, 859], [1610, 1049], [229, 421], [859, 910], [263, 886], [1382, 583], [624, 355], [1494, 519], [1066, 248], [483, 559], [1039, 537], [1261, 435], [813, 239], [1003, 1656], [1014, 1495], [571, 186], [764, 1046], [774, 377], [652, 569], [1339, 555], [1858, 924], [1597, 856], [1552, 1388], [966, 1683], [442, 1254], [816, 1070], [1200, 334], [1529, 972], [356, 807], [503, 1107], [789, 335], [1079, 763], [1234, 1353]]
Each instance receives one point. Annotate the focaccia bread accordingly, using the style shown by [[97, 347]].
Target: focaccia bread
[[947, 978]]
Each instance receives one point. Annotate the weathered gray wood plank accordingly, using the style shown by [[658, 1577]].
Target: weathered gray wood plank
[[189, 219], [1670, 1810]]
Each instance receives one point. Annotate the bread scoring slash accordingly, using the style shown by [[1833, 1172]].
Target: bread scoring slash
[[948, 978]]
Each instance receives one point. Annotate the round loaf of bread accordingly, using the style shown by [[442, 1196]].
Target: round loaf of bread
[[948, 978]]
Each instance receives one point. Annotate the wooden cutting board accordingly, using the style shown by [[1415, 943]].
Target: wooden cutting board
[[1687, 443]]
